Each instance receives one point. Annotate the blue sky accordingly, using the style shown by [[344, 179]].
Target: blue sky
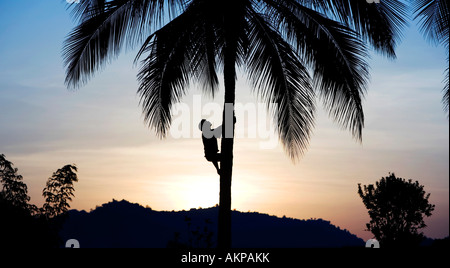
[[100, 128]]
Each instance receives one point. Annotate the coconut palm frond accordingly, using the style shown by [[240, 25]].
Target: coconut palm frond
[[337, 58], [281, 78], [105, 27], [379, 23], [433, 16], [165, 72]]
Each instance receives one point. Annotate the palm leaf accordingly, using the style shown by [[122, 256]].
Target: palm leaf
[[105, 27], [433, 17], [379, 23], [336, 56], [445, 98], [164, 74], [279, 77]]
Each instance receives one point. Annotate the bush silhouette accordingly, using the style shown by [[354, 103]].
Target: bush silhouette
[[22, 224], [397, 208]]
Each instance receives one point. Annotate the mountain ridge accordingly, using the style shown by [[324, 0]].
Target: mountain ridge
[[124, 224]]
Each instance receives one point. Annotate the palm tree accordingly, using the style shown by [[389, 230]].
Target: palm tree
[[292, 51], [433, 17]]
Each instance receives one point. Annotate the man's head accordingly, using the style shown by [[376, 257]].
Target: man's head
[[204, 124]]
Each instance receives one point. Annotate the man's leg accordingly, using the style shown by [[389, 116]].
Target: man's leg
[[216, 163]]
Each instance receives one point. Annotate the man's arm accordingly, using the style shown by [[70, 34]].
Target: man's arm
[[218, 130]]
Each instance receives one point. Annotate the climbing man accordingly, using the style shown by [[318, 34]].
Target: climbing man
[[209, 138]]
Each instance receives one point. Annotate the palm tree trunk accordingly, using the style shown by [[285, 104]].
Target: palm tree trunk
[[226, 165]]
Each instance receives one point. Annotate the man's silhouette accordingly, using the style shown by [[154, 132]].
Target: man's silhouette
[[209, 138]]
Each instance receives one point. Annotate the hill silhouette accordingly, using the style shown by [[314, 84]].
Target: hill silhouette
[[125, 224]]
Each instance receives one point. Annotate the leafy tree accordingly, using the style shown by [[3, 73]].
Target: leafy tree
[[23, 224], [291, 51], [433, 16], [15, 215], [14, 190], [397, 209], [58, 191]]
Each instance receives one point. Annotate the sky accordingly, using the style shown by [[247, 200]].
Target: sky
[[100, 128]]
